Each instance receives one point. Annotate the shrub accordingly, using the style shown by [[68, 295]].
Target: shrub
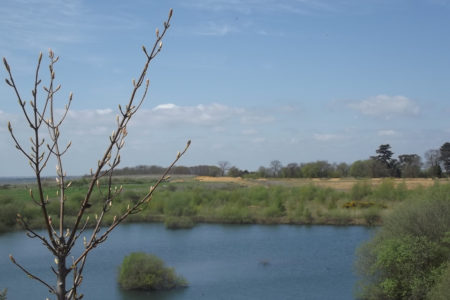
[[372, 216], [405, 259], [141, 271], [360, 190], [441, 290]]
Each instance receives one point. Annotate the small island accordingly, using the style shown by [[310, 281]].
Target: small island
[[142, 271]]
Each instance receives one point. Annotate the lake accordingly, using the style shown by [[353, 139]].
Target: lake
[[219, 261]]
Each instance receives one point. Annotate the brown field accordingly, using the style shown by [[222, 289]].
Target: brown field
[[343, 184]]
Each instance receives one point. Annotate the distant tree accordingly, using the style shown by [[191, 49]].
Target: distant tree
[[445, 157], [386, 166], [262, 172], [361, 168], [180, 170], [432, 163], [234, 172], [384, 154], [342, 169], [224, 166], [205, 170], [317, 169], [410, 165], [292, 170], [275, 167]]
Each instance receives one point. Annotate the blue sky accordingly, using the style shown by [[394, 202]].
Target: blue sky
[[248, 81]]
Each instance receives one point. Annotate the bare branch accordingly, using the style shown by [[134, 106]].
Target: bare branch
[[60, 243], [50, 288], [130, 210]]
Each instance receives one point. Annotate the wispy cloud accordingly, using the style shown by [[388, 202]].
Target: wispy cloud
[[39, 24], [325, 137], [386, 106], [251, 6], [387, 132], [214, 29], [203, 115], [250, 131]]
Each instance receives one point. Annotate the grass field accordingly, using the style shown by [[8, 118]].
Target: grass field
[[186, 200], [342, 184]]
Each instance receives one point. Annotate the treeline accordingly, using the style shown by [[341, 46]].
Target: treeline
[[383, 164], [201, 170]]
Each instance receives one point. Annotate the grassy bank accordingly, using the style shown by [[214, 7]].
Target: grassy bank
[[189, 200]]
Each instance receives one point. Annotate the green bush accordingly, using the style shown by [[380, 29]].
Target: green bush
[[141, 271], [360, 190], [372, 216], [406, 258], [441, 290]]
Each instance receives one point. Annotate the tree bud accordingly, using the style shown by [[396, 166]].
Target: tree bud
[[6, 64]]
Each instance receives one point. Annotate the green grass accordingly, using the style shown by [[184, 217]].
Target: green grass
[[222, 202]]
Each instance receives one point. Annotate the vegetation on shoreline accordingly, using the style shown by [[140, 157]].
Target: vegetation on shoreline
[[141, 271], [185, 201], [409, 257]]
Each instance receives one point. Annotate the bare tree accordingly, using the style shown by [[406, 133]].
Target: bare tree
[[61, 236], [432, 162], [224, 167], [275, 167]]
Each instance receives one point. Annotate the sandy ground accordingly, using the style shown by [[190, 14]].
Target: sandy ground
[[335, 183]]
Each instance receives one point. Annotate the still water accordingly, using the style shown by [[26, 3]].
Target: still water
[[219, 261]]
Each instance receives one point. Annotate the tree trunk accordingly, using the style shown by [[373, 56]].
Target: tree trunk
[[61, 279]]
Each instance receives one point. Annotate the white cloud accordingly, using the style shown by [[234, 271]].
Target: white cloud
[[258, 140], [251, 118], [250, 131], [387, 132], [386, 106], [203, 115], [165, 106], [213, 29], [106, 111], [325, 137]]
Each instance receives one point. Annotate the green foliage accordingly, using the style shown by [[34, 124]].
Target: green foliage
[[388, 191], [178, 222], [441, 289], [372, 216], [141, 271], [360, 190], [186, 202], [410, 264], [361, 169], [406, 258]]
